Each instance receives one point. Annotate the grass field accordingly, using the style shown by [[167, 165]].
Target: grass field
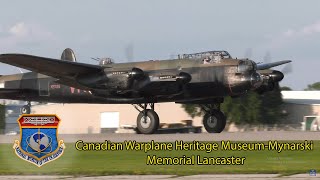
[[74, 162]]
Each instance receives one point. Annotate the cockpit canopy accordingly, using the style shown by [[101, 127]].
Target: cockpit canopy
[[213, 55]]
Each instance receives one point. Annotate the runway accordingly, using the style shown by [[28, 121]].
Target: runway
[[235, 136]]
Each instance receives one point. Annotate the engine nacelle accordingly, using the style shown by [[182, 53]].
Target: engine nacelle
[[183, 78], [115, 80], [265, 87], [276, 76], [136, 73], [270, 79]]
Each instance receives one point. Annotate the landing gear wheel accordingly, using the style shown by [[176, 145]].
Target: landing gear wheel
[[214, 121], [25, 109], [147, 121]]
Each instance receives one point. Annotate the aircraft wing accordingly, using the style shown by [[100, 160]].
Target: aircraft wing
[[9, 91], [65, 71], [263, 66], [51, 67]]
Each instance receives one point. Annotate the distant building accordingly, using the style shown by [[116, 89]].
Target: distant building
[[301, 103], [97, 118], [12, 113]]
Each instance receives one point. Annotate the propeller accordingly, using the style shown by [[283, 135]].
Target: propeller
[[267, 62], [248, 53], [267, 57], [129, 52], [285, 70]]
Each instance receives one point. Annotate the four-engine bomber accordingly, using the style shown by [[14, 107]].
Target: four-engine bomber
[[200, 78]]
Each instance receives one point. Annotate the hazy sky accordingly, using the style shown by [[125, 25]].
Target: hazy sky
[[158, 29]]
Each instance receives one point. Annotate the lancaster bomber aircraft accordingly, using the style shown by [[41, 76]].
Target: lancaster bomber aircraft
[[201, 78]]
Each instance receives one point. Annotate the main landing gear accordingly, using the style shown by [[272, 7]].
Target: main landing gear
[[147, 120], [26, 109], [214, 121]]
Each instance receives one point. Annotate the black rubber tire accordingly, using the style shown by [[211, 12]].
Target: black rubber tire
[[217, 126], [151, 126], [25, 109]]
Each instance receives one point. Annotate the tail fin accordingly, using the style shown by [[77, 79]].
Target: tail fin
[[68, 55]]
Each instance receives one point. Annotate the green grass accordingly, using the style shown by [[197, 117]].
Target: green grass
[[78, 163]]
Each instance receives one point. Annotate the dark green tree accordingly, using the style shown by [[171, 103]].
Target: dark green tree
[[243, 109], [313, 87], [234, 109], [271, 109], [285, 88], [250, 108], [253, 108], [2, 118], [192, 109]]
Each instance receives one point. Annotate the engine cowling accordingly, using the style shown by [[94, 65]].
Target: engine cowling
[[136, 73], [183, 78], [276, 76], [116, 80], [270, 79]]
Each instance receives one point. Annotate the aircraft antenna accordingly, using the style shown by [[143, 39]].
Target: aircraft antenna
[[96, 59]]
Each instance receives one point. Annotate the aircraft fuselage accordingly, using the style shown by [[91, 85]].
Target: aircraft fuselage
[[207, 81]]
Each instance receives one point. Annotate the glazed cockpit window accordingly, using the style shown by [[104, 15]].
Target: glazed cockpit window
[[213, 55]]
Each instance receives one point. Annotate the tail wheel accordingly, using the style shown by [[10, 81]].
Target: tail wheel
[[25, 109], [147, 121], [214, 121]]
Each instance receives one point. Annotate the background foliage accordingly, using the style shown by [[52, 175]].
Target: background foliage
[[2, 118], [313, 87], [251, 108]]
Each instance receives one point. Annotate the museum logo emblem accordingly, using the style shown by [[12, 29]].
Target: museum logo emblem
[[38, 143]]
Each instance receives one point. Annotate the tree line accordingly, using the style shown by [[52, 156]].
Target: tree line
[[252, 108]]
